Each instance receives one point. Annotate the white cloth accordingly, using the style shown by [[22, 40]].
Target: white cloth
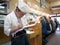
[[11, 21], [50, 26], [23, 6]]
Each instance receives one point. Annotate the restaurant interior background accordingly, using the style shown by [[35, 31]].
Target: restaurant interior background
[[39, 7]]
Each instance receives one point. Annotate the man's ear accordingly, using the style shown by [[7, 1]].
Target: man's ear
[[17, 9]]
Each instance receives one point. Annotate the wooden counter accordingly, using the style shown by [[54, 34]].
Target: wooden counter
[[34, 38]]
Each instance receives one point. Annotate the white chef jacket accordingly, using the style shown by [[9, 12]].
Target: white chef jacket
[[11, 21]]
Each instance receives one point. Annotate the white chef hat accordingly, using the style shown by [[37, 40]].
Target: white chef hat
[[23, 6]]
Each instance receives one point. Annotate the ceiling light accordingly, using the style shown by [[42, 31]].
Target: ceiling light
[[55, 8]]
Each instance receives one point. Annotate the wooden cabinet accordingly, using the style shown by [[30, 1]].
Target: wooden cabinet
[[3, 37]]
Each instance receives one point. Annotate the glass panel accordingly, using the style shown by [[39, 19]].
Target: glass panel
[[3, 7]]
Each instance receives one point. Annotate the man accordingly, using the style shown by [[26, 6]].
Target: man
[[56, 23], [44, 30], [15, 23]]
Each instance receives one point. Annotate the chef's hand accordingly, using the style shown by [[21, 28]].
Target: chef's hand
[[20, 25]]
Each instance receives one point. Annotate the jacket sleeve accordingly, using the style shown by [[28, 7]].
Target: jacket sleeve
[[7, 26]]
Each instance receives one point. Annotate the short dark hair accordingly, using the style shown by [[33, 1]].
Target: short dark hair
[[18, 9]]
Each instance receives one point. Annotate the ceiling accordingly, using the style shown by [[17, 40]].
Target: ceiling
[[54, 6], [51, 1]]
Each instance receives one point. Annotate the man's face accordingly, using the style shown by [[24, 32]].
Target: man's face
[[20, 13]]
